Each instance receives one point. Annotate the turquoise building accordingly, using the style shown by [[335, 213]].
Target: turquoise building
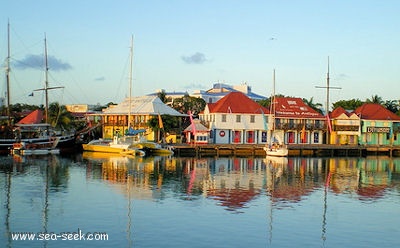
[[378, 126]]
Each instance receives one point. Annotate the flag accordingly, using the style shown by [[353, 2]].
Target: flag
[[391, 134], [328, 120], [31, 94], [192, 122], [303, 133], [264, 120], [160, 123]]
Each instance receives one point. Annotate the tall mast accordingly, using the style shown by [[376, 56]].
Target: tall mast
[[130, 81], [8, 75], [46, 83], [328, 88], [273, 101]]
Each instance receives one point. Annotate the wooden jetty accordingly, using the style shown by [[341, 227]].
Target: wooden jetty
[[294, 150]]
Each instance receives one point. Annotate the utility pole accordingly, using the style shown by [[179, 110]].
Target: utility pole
[[328, 88]]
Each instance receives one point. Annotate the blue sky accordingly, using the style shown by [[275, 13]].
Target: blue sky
[[189, 45]]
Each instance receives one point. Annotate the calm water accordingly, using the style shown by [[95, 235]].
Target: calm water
[[208, 202]]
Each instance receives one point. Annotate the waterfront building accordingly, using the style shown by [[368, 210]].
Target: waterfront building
[[379, 126], [298, 123], [236, 119], [196, 133], [220, 90], [345, 127], [134, 112]]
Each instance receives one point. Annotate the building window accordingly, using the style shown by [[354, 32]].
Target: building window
[[237, 136], [316, 137], [238, 118], [250, 137], [223, 118], [264, 137], [252, 118]]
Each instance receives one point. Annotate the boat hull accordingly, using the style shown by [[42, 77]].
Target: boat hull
[[110, 149], [279, 152], [104, 148], [36, 151]]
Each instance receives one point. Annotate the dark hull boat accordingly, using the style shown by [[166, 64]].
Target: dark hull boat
[[36, 133], [31, 130]]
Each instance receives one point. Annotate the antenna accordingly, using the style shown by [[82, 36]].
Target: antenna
[[328, 88]]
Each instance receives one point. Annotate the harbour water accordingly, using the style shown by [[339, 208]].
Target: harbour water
[[63, 201]]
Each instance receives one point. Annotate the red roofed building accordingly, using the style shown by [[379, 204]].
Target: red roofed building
[[236, 119], [369, 124], [345, 127], [296, 122], [379, 126]]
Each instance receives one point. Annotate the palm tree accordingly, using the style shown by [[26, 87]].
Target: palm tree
[[60, 117], [375, 99], [392, 105], [316, 106]]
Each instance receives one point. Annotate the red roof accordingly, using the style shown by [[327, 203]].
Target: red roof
[[291, 107], [338, 111], [374, 111], [237, 102], [34, 117]]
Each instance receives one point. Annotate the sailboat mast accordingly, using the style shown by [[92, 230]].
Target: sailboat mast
[[8, 75], [273, 99], [327, 103], [130, 81], [46, 85], [46, 80]]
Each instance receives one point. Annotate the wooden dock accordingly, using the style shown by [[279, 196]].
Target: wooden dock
[[247, 150]]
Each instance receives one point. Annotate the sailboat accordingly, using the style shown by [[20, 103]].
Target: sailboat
[[119, 145], [33, 137], [278, 149]]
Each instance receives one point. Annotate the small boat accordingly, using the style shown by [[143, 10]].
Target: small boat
[[112, 146], [152, 148], [37, 148], [278, 149]]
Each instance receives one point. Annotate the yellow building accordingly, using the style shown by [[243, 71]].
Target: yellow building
[[134, 112]]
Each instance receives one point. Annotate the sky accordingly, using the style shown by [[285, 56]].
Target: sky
[[184, 46]]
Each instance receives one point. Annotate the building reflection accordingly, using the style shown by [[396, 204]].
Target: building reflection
[[234, 182]]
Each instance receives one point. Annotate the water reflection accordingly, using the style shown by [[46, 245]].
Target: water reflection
[[234, 182], [39, 193]]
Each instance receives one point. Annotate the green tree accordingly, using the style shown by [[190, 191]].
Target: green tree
[[169, 123], [351, 104], [392, 105], [375, 99], [59, 116], [316, 106], [163, 96], [186, 103]]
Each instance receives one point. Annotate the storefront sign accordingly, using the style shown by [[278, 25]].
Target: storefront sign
[[378, 129]]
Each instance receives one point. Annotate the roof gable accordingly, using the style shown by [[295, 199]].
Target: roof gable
[[144, 105], [374, 111], [338, 112], [34, 117], [291, 107], [236, 102]]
